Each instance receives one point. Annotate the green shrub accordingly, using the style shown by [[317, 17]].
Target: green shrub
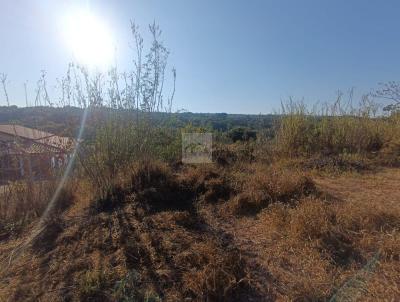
[[242, 134]]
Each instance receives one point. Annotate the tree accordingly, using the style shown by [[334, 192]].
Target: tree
[[389, 91]]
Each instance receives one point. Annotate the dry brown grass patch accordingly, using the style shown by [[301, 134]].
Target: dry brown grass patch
[[263, 186], [310, 220], [210, 183], [217, 277]]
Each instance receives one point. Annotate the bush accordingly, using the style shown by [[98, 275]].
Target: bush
[[118, 143], [301, 132], [242, 134]]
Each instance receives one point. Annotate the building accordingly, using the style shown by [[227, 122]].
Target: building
[[26, 152]]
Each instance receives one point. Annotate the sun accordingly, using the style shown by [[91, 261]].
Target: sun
[[89, 39]]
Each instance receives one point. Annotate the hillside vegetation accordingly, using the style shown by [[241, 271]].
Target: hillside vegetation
[[66, 120]]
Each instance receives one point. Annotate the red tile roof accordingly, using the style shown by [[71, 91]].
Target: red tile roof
[[39, 141]]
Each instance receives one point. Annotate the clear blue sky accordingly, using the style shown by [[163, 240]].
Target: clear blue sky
[[231, 56]]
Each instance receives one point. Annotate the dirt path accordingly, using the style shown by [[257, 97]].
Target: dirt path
[[383, 186]]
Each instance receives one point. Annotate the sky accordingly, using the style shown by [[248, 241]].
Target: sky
[[230, 56]]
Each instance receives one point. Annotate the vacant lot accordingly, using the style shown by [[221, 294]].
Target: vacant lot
[[211, 233]]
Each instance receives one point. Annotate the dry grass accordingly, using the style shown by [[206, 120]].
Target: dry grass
[[259, 186], [210, 183], [216, 276], [148, 245], [312, 249], [23, 202], [305, 132], [167, 233]]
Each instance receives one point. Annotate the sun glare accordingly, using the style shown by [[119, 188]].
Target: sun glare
[[89, 39]]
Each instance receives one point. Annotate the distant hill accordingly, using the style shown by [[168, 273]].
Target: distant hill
[[66, 120]]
